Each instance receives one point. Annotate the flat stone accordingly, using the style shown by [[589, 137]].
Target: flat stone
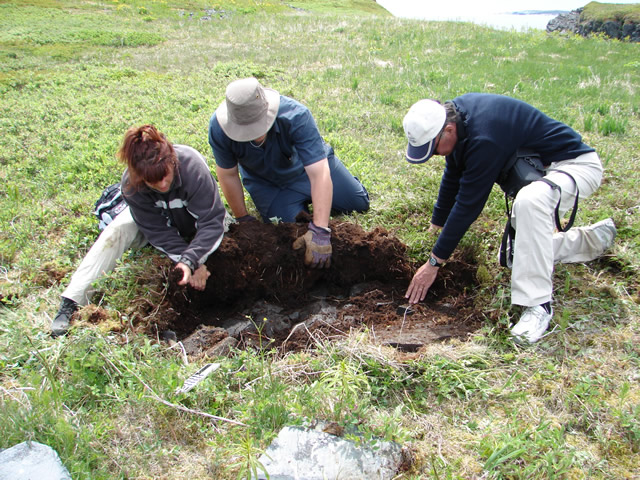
[[361, 288], [303, 454], [236, 326], [278, 321], [203, 338], [31, 461], [222, 348]]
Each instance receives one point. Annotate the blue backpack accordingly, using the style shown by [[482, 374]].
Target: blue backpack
[[109, 205]]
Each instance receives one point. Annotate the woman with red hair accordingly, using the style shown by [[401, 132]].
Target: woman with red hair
[[173, 204]]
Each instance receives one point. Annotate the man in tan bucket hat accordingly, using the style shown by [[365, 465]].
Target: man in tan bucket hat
[[273, 143]]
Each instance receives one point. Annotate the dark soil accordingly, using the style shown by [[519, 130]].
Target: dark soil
[[259, 283]]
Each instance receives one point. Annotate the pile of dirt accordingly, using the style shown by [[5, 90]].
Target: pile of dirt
[[260, 292]]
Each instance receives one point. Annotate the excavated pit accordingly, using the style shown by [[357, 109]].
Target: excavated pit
[[261, 294]]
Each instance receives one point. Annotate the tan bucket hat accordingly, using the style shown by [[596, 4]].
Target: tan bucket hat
[[248, 111]]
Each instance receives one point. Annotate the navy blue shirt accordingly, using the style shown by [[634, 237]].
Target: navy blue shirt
[[490, 130], [293, 143]]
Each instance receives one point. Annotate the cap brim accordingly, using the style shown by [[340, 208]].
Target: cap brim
[[246, 133], [422, 153]]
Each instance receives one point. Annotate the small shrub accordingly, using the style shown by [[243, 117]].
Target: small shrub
[[610, 125], [588, 123]]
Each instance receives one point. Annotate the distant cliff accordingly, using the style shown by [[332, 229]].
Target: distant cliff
[[613, 20]]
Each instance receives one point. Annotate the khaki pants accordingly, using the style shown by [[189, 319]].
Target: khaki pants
[[537, 248], [120, 235]]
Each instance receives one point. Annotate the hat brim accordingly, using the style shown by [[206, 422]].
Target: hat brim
[[421, 153], [251, 131]]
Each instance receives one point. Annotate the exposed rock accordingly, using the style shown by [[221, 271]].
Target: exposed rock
[[222, 348], [572, 22], [202, 338], [565, 22], [627, 31], [305, 454], [31, 460]]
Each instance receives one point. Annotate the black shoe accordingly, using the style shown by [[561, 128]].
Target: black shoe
[[60, 324]]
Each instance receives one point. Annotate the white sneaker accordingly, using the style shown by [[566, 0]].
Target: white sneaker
[[532, 325], [605, 230]]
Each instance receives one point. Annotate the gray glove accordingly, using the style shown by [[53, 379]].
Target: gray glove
[[318, 243]]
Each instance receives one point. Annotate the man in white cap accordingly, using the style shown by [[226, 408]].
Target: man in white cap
[[274, 143], [478, 134]]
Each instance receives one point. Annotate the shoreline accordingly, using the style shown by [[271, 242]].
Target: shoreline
[[515, 20]]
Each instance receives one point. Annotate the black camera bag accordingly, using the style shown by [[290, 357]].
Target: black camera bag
[[524, 167]]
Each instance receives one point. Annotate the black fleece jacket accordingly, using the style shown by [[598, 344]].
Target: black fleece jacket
[[490, 130]]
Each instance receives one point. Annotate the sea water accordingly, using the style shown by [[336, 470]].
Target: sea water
[[501, 14]]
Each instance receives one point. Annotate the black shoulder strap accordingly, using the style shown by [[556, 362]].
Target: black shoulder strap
[[508, 236], [555, 186]]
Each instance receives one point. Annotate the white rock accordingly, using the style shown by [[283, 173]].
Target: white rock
[[31, 461], [303, 454]]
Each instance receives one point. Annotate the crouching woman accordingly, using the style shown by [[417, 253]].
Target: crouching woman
[[173, 204]]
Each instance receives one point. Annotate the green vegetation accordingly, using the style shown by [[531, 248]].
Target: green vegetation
[[356, 7], [620, 12], [74, 75]]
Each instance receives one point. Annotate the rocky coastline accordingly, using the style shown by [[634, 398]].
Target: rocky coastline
[[573, 23]]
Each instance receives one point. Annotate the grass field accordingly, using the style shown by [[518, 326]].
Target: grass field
[[74, 75]]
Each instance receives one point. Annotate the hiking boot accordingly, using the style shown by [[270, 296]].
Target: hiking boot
[[60, 324], [532, 325], [605, 230]]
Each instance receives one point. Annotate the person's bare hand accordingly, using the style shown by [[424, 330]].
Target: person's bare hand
[[186, 273], [421, 282], [199, 278]]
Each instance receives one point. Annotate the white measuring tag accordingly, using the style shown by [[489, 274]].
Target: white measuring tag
[[197, 377]]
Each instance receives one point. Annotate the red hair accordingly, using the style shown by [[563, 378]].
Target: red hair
[[148, 154]]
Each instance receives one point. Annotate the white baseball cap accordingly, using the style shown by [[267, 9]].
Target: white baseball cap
[[422, 123]]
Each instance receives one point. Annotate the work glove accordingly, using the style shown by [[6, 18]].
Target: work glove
[[246, 218], [318, 243]]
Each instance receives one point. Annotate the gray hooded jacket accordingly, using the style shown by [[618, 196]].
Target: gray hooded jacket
[[186, 222]]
